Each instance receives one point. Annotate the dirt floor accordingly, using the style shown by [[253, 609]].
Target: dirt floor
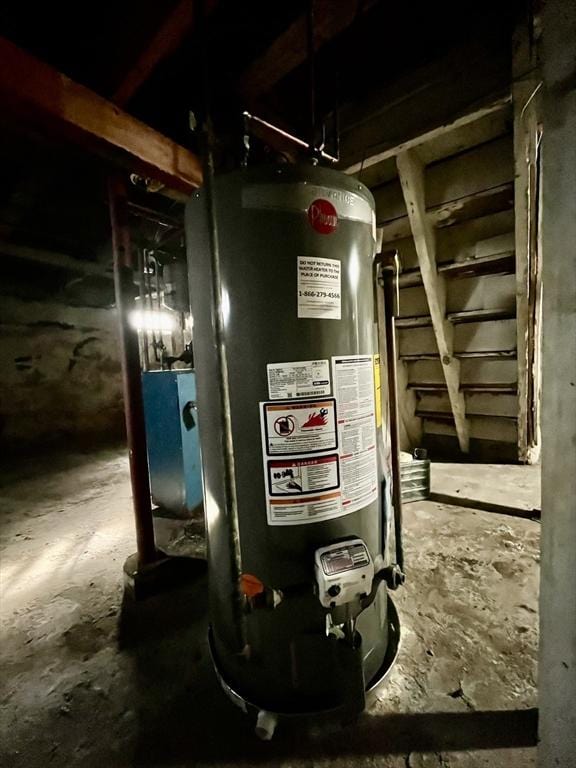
[[89, 679]]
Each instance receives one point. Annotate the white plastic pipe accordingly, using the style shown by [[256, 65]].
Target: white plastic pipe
[[266, 723]]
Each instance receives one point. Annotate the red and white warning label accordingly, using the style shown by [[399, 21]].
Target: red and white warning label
[[301, 461], [289, 477], [298, 427], [319, 455]]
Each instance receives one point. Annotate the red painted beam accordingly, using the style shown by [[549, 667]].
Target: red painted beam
[[34, 91]]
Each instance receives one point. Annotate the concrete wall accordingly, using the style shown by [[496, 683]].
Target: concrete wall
[[60, 376], [557, 670]]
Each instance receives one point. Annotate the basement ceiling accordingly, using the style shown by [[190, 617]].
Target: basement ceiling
[[54, 197]]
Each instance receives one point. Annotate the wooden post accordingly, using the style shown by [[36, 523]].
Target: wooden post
[[411, 172], [526, 102]]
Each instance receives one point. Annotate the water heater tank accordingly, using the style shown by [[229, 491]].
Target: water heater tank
[[298, 624]]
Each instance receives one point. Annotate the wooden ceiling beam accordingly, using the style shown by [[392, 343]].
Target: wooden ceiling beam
[[169, 37], [34, 91], [290, 49]]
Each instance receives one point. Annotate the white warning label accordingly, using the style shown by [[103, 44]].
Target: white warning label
[[301, 461], [312, 509], [319, 288], [353, 378], [292, 428], [304, 379], [289, 477]]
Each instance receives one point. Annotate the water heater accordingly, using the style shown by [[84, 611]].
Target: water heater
[[300, 618]]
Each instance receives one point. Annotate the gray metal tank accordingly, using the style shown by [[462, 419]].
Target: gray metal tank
[[296, 247]]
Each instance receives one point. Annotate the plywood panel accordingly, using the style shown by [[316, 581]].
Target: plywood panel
[[477, 404], [472, 371], [487, 292], [483, 428], [413, 302], [480, 371], [460, 241], [485, 167], [485, 336], [416, 341]]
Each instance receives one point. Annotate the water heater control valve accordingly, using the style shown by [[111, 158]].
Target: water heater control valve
[[344, 572]]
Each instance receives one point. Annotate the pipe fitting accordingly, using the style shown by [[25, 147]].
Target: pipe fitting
[[266, 723]]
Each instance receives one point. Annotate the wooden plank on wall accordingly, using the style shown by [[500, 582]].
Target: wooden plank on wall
[[477, 404], [472, 371], [411, 174], [436, 133], [471, 173], [481, 428], [526, 105], [462, 81], [460, 241], [454, 213], [487, 336]]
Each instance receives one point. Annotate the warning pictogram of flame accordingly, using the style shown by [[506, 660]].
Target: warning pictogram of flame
[[317, 419]]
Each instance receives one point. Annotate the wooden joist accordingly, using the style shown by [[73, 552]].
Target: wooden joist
[[411, 174], [291, 49], [169, 37], [42, 96], [432, 133], [461, 82]]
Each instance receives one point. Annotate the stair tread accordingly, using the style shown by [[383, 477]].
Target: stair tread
[[495, 264], [447, 416], [508, 388], [501, 354], [463, 316]]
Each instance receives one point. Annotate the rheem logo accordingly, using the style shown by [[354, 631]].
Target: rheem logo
[[322, 216]]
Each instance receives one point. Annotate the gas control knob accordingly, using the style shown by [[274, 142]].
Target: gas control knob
[[334, 590]]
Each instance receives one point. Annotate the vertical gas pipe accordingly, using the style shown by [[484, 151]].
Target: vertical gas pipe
[[389, 266], [131, 378]]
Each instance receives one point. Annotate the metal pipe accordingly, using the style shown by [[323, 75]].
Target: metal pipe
[[224, 410], [131, 377], [311, 75], [163, 219], [285, 135], [142, 289], [389, 278]]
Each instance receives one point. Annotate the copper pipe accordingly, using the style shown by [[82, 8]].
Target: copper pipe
[[131, 376], [271, 133]]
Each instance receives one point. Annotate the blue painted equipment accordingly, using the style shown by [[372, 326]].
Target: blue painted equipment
[[172, 437]]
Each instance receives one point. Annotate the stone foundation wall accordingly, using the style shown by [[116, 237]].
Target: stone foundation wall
[[60, 377]]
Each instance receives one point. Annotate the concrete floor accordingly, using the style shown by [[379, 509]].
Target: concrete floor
[[88, 680]]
